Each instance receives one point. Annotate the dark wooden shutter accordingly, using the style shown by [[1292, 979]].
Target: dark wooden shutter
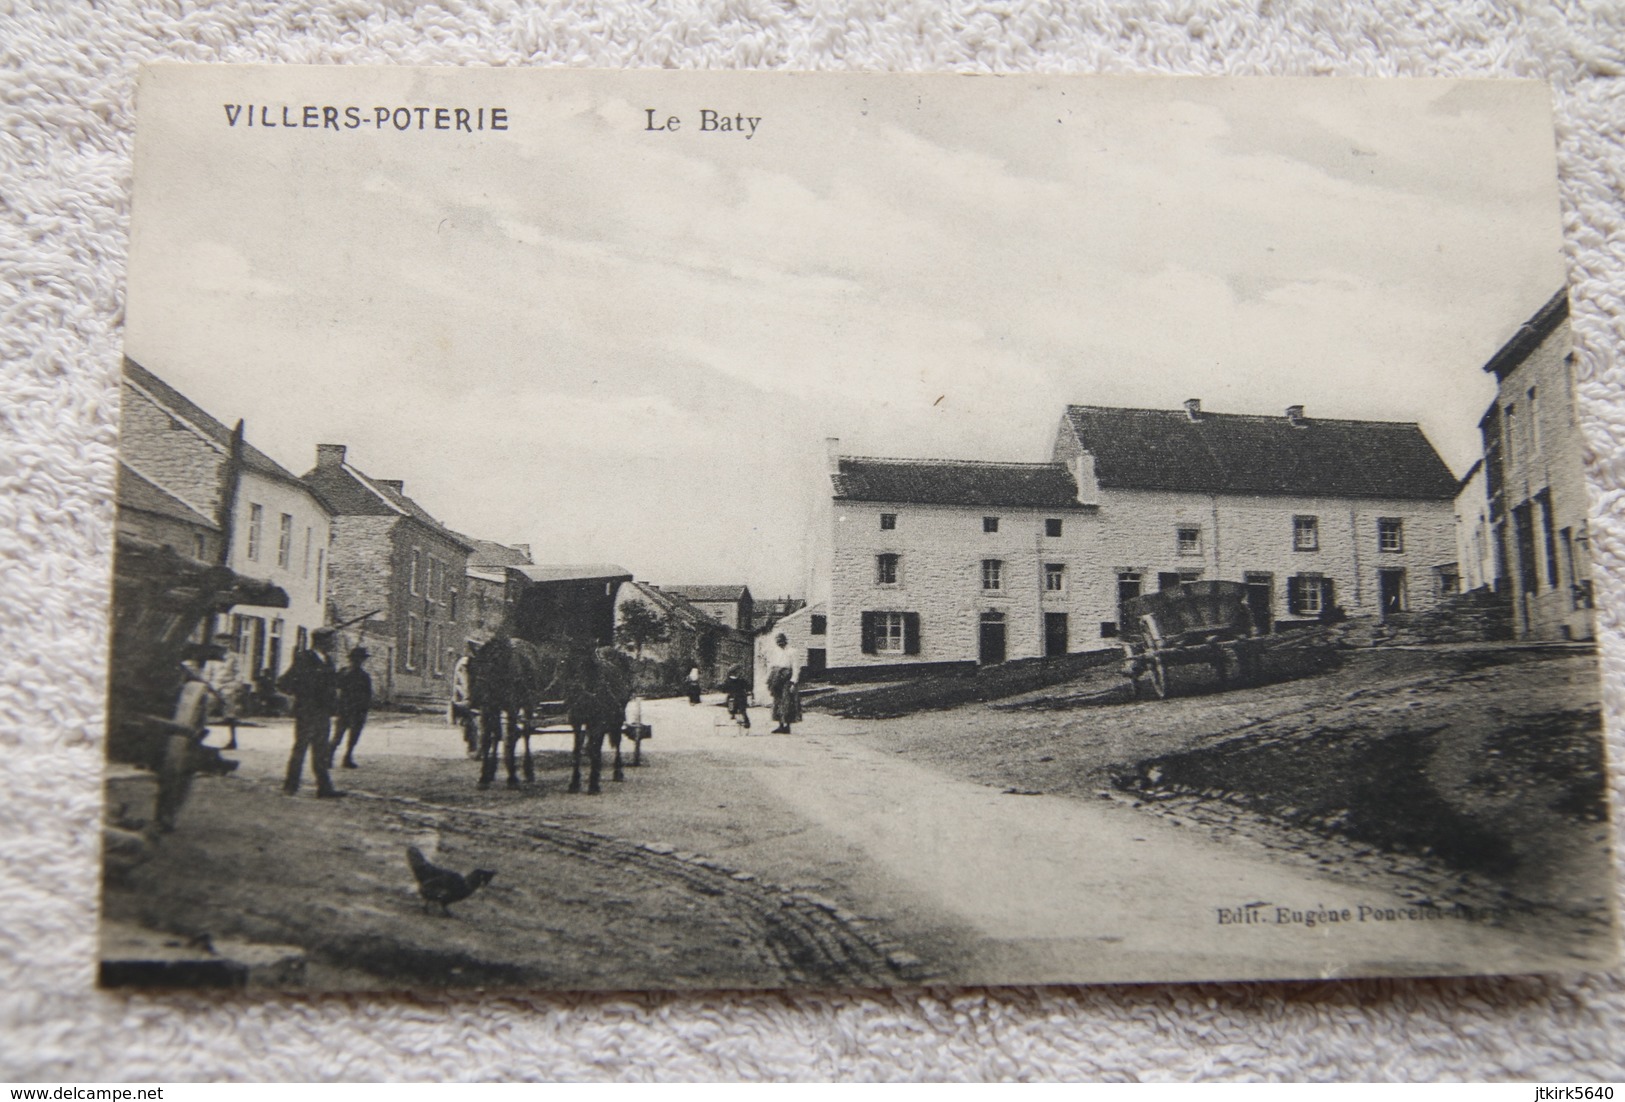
[[1328, 597], [868, 633], [1294, 595], [911, 633]]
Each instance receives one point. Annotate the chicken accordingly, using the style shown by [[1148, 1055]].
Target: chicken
[[442, 886]]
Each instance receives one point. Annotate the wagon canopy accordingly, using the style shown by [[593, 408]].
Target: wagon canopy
[[1193, 612]]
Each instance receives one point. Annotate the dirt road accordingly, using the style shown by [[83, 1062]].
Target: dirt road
[[838, 855]]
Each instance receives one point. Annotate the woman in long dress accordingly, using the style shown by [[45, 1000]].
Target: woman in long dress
[[782, 668]]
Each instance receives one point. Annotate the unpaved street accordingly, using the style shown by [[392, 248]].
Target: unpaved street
[[830, 856]]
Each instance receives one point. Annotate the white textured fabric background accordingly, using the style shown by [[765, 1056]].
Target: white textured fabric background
[[65, 130]]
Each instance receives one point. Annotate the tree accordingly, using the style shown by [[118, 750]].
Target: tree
[[640, 625]]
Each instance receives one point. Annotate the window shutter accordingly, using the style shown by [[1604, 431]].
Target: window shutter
[[911, 633], [868, 633], [1294, 594], [1328, 597]]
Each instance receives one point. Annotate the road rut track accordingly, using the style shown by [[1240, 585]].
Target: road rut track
[[795, 938]]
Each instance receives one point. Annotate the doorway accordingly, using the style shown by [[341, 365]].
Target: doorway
[[1391, 591], [991, 650], [1261, 601], [1054, 634]]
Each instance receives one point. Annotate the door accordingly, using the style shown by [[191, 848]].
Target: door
[[1168, 580], [1054, 634], [1391, 591], [1261, 601], [991, 651], [1128, 588], [817, 662]]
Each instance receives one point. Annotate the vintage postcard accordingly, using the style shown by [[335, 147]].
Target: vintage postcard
[[587, 530]]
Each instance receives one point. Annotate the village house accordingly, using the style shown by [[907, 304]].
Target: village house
[[1475, 538], [695, 638], [395, 576], [185, 476], [943, 563], [726, 604], [1534, 477]]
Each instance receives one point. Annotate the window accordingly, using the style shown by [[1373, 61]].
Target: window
[[1306, 533], [1509, 430], [1054, 577], [256, 522], [1534, 423], [1052, 527], [321, 561], [886, 569], [436, 579], [409, 651], [1308, 594], [990, 524], [412, 576], [200, 546], [284, 541], [820, 625], [891, 633], [451, 604], [888, 521], [309, 534], [992, 574], [1190, 541], [1390, 534], [436, 650]]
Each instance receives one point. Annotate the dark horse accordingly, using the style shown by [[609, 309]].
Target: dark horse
[[596, 685], [506, 680]]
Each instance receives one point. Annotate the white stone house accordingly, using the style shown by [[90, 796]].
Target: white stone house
[[944, 562], [275, 526]]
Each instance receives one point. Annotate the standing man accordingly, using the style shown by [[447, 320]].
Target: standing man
[[355, 699], [782, 668], [313, 683]]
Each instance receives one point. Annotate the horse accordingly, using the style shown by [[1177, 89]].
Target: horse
[[596, 685], [506, 679]]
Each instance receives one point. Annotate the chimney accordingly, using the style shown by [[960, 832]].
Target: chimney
[[832, 453], [523, 549], [1295, 415], [1193, 408], [1083, 471], [392, 483], [329, 456]]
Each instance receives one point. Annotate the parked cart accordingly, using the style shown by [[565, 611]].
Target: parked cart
[[1198, 623]]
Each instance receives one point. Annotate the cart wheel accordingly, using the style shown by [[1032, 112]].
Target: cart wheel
[[1159, 677]]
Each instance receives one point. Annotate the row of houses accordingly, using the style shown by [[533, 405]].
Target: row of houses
[[939, 563], [358, 552]]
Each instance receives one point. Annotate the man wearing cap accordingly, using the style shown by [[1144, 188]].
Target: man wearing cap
[[313, 683], [355, 698]]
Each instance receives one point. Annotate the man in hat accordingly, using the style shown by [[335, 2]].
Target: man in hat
[[355, 698], [313, 683]]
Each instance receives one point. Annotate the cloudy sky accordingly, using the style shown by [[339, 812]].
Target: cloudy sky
[[622, 344]]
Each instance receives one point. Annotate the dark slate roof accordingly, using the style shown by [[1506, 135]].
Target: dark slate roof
[[348, 492], [489, 553], [143, 495], [1229, 453], [674, 605], [1529, 335], [955, 482], [709, 592], [183, 407]]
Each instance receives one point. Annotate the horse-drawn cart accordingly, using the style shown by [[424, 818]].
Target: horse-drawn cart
[[156, 714], [1198, 623]]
